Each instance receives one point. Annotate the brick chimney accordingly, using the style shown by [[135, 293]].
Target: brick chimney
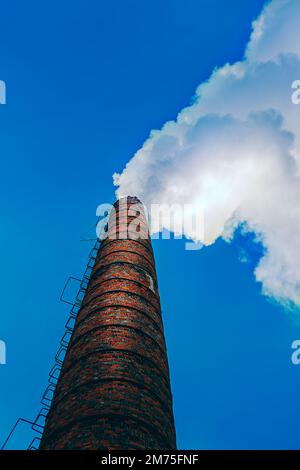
[[114, 388]]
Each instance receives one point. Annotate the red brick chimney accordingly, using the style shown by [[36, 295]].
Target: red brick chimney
[[114, 388]]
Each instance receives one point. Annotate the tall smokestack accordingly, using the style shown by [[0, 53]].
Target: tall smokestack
[[114, 388]]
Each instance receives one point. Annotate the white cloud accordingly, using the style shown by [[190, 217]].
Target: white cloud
[[236, 151], [276, 31]]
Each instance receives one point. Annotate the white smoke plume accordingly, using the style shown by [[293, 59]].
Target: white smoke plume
[[236, 152]]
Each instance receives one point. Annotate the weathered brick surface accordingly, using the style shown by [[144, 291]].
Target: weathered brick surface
[[124, 271], [116, 337], [127, 246], [111, 286], [114, 389], [114, 397], [120, 302], [127, 318], [127, 257], [114, 365], [140, 241], [122, 299], [106, 432]]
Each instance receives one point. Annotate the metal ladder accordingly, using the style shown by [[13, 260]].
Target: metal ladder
[[38, 424]]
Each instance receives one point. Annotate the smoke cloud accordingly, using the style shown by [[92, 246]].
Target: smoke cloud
[[236, 152]]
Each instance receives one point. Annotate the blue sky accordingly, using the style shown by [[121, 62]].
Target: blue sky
[[86, 82]]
